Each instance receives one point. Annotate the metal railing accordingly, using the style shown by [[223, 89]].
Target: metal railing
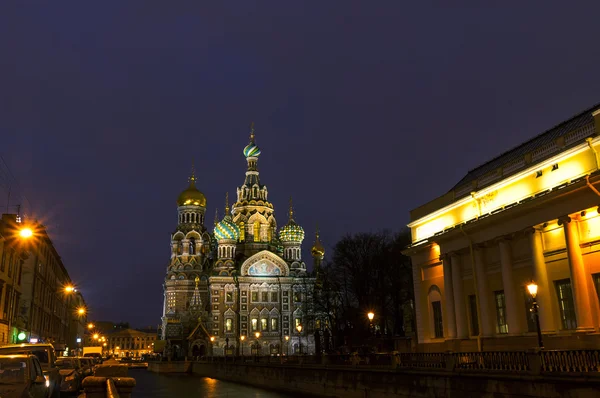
[[521, 362]]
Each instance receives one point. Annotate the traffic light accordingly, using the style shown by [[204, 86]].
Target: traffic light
[[22, 336]]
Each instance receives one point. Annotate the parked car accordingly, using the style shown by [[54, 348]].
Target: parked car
[[88, 366], [22, 376], [46, 357], [71, 374]]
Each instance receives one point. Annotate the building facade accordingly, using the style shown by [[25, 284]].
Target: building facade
[[530, 214], [129, 343], [242, 278], [35, 305]]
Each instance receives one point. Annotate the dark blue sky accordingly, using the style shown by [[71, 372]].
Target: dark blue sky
[[363, 111]]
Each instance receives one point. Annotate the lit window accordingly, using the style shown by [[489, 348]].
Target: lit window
[[274, 324], [263, 324], [254, 297], [228, 325], [565, 304], [254, 324], [229, 297]]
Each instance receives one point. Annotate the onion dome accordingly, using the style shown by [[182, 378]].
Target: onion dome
[[192, 196], [291, 232], [251, 150], [226, 228], [317, 250]]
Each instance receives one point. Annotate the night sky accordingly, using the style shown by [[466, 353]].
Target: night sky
[[363, 111]]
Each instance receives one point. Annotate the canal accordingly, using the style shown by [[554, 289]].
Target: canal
[[155, 385]]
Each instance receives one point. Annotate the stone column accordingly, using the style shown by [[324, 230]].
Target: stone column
[[515, 323], [186, 247], [579, 275], [462, 328], [486, 315], [449, 298], [540, 277]]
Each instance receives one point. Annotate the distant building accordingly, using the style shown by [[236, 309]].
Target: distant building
[[129, 343], [240, 279], [528, 214]]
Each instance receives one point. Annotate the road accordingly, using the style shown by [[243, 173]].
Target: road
[[154, 385]]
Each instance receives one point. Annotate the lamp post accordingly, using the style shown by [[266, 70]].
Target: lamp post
[[287, 345], [212, 340], [299, 329], [242, 338], [533, 288], [371, 315], [257, 335]]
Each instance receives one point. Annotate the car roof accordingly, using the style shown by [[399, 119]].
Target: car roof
[[16, 356], [27, 346]]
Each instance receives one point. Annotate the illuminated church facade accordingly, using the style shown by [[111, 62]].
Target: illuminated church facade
[[242, 288]]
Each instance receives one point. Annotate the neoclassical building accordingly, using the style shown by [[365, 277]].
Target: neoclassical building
[[243, 277], [529, 214]]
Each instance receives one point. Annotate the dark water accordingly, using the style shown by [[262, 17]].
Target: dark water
[[154, 385]]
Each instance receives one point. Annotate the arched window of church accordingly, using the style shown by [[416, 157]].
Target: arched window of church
[[242, 231], [254, 324], [257, 231], [192, 246], [179, 248], [263, 325]]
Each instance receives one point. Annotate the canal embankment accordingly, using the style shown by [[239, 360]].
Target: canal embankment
[[374, 381]]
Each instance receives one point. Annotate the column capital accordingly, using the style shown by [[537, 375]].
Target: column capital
[[505, 238], [564, 220]]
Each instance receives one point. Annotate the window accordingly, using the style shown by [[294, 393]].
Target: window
[[297, 322], [501, 325], [474, 319], [297, 297], [596, 278], [254, 324], [263, 324], [438, 326], [229, 297], [565, 304], [257, 231], [242, 231], [254, 297], [274, 297], [529, 310], [274, 324], [229, 325], [265, 297]]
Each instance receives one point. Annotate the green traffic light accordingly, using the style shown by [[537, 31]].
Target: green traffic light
[[21, 336]]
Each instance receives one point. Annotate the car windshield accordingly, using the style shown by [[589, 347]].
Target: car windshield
[[41, 354], [67, 363], [13, 371]]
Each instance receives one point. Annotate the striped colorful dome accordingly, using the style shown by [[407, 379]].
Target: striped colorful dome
[[291, 232], [227, 230], [251, 150]]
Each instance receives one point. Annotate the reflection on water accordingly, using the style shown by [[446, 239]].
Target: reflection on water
[[154, 385]]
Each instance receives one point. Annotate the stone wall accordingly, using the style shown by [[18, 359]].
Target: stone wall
[[374, 383], [170, 367]]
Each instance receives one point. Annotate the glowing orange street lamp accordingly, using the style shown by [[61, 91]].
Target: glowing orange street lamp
[[69, 289], [96, 336], [81, 311], [90, 326], [533, 289], [25, 233]]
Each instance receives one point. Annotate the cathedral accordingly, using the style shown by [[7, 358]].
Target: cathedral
[[242, 288]]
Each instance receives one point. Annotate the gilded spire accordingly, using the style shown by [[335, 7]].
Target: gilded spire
[[216, 216], [192, 178], [291, 211], [197, 280], [252, 132], [317, 250], [226, 203]]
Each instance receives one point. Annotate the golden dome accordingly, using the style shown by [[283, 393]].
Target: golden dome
[[317, 250], [191, 196]]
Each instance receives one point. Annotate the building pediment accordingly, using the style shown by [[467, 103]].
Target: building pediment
[[265, 263]]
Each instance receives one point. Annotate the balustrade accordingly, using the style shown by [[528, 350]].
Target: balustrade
[[571, 361]]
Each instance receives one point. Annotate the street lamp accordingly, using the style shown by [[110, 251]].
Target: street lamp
[[257, 335], [287, 345], [26, 233], [90, 326], [70, 289], [242, 338], [81, 311], [212, 340], [299, 329], [533, 289]]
